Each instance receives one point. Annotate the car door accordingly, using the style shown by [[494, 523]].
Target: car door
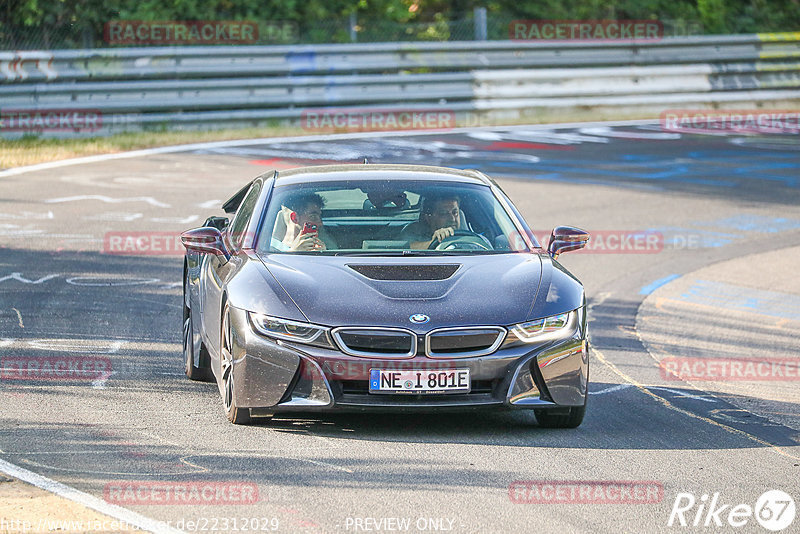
[[217, 270]]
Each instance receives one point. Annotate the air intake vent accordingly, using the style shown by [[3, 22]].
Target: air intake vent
[[406, 272], [388, 343], [466, 342]]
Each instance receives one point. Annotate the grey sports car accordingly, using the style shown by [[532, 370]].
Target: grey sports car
[[383, 287]]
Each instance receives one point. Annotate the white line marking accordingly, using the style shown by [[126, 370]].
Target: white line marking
[[89, 501], [605, 131], [115, 216], [176, 220], [321, 464], [109, 200], [5, 342], [19, 278], [76, 345], [27, 215], [87, 281], [684, 394], [270, 140], [208, 204], [172, 284], [611, 389], [19, 316]]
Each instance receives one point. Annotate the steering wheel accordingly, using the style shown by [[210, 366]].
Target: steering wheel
[[462, 240]]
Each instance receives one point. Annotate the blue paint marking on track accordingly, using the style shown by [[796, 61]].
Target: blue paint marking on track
[[741, 298], [754, 223], [595, 168], [649, 288], [687, 238], [557, 177]]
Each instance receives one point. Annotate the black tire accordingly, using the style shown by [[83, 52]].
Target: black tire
[[192, 372], [236, 415], [573, 419]]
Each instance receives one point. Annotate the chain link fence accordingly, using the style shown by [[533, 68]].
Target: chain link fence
[[475, 25]]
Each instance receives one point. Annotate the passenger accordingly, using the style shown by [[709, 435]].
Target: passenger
[[439, 218], [298, 210]]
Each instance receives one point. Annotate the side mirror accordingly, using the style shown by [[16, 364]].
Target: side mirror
[[220, 223], [566, 238], [206, 240]]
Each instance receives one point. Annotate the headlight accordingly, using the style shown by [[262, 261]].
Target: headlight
[[294, 331], [541, 330]]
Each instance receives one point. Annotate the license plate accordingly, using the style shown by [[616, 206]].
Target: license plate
[[419, 381]]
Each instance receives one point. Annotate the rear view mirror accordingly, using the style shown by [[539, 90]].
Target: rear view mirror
[[565, 239], [206, 240]]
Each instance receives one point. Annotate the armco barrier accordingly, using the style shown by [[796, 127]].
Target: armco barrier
[[202, 87]]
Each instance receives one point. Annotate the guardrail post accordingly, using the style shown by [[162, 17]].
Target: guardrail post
[[353, 33], [480, 23]]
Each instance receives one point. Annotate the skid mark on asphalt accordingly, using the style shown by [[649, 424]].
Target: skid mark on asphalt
[[146, 472], [670, 406], [260, 454]]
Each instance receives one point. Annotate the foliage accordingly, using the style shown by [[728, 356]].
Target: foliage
[[76, 23]]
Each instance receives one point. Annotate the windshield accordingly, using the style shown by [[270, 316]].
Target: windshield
[[388, 217]]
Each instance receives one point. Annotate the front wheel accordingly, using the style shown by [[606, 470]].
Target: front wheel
[[236, 415], [572, 419]]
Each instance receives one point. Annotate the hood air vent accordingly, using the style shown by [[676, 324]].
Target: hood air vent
[[406, 272]]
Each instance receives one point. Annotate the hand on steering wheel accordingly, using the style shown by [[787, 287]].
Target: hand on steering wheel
[[473, 240]]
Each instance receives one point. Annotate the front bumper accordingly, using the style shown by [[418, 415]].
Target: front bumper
[[276, 376]]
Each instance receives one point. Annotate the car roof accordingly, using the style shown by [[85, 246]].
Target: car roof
[[373, 171]]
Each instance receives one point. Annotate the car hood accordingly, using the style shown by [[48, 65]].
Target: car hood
[[482, 290]]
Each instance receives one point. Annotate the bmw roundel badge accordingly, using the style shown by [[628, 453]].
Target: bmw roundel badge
[[419, 318]]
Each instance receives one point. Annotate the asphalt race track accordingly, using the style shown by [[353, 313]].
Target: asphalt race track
[[719, 281]]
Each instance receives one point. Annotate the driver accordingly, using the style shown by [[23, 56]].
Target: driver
[[439, 218]]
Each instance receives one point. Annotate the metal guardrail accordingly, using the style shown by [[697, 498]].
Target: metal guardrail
[[174, 87]]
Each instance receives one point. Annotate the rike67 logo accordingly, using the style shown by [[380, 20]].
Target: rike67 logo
[[774, 510]]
